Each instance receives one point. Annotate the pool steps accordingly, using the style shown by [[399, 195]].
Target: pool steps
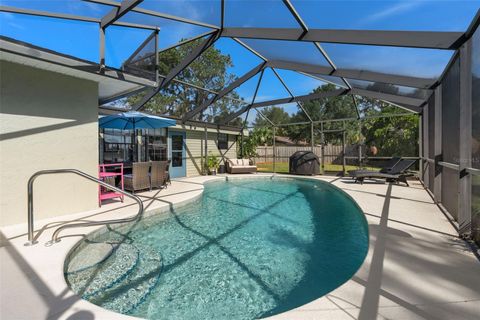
[[120, 282]]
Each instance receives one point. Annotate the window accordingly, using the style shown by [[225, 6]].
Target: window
[[177, 150], [156, 144], [132, 146], [118, 146], [222, 141]]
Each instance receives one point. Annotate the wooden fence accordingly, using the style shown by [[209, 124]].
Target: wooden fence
[[332, 153]]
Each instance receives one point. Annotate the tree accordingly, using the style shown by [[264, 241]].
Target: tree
[[209, 70], [258, 136], [321, 109], [274, 114], [392, 136]]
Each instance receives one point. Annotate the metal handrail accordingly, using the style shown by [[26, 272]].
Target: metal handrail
[[475, 172], [31, 240], [449, 165]]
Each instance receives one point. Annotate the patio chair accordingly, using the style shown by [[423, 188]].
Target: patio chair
[[398, 173], [157, 174], [387, 168], [139, 179]]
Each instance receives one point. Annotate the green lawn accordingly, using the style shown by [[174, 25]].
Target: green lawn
[[282, 167]]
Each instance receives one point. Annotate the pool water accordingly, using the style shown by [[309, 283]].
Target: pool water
[[249, 248]]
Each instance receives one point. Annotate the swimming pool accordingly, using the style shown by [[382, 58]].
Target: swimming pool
[[249, 248]]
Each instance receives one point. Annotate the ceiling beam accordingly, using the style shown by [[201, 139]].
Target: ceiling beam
[[118, 12], [411, 39], [297, 17], [355, 104], [232, 116], [225, 91], [414, 82]]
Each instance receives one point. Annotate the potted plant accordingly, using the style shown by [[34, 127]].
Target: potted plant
[[212, 164]]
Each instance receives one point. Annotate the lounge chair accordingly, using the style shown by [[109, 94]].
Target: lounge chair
[[139, 179], [157, 174], [397, 174], [386, 169]]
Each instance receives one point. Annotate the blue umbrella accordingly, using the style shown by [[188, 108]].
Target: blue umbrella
[[135, 120]]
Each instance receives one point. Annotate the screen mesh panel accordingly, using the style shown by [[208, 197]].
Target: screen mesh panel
[[292, 51], [54, 34], [74, 7], [424, 143], [221, 109], [331, 79], [207, 11], [258, 14], [476, 134], [220, 65], [300, 84], [431, 141], [421, 63], [172, 32], [271, 88], [450, 137], [121, 43], [142, 63], [389, 88], [387, 15]]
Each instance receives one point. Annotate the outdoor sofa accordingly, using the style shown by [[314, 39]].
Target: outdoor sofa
[[398, 173], [240, 166]]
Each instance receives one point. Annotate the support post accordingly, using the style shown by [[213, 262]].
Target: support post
[[426, 142], [322, 142], [312, 142], [420, 144], [343, 148], [102, 50], [274, 150], [437, 187], [206, 151], [465, 152], [157, 71]]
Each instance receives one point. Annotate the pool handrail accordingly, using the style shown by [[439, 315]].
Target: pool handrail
[[31, 238]]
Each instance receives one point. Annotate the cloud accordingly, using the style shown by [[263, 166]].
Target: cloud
[[392, 11]]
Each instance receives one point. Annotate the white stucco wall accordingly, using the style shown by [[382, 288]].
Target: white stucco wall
[[47, 121]]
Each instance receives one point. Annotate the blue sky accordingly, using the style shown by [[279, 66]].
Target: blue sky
[[81, 38]]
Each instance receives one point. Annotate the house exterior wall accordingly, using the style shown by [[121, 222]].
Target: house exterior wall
[[195, 147], [48, 121]]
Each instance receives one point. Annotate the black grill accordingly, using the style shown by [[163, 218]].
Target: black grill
[[304, 162]]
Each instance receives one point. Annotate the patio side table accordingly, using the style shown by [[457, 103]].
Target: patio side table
[[104, 193]]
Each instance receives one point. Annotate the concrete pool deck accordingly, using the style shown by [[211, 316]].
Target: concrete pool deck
[[416, 268]]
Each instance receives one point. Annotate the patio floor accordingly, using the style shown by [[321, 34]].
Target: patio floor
[[416, 267]]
